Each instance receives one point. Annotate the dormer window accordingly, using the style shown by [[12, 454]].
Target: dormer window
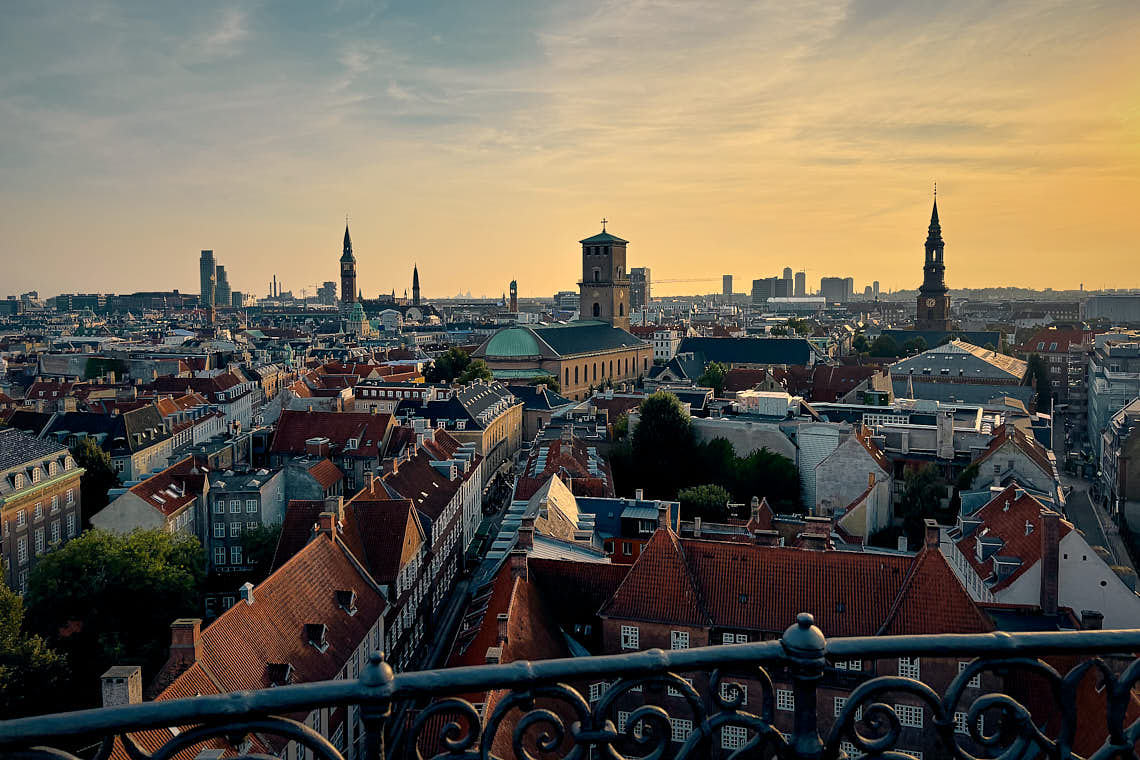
[[279, 673], [346, 600], [317, 635]]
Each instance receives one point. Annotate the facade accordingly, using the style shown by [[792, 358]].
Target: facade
[[237, 503], [1119, 309], [347, 273], [856, 463], [640, 287], [833, 289], [207, 274], [769, 287], [222, 292], [39, 502], [1113, 381], [604, 288], [1065, 353], [1120, 459], [168, 500], [354, 441], [665, 344], [138, 441], [933, 298], [800, 289]]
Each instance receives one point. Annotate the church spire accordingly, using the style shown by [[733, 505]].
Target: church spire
[[347, 254]]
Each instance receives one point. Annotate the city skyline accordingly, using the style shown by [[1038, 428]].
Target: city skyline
[[718, 140]]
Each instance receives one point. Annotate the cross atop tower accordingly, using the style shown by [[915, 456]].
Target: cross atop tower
[[603, 224]]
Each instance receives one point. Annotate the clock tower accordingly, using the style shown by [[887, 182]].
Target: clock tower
[[347, 274], [933, 301], [605, 281]]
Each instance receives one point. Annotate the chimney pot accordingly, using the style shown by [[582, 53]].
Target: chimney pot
[[503, 619], [663, 516], [122, 685], [639, 494], [696, 527], [326, 524], [526, 534], [932, 533], [186, 640], [518, 564]]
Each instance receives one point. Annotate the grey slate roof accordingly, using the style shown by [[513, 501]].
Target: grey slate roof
[[962, 393], [18, 448], [796, 351], [532, 399], [586, 336]]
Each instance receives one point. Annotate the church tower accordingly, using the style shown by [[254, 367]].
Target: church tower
[[415, 285], [347, 274], [933, 302], [604, 287]]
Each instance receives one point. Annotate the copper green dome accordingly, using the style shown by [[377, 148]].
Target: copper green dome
[[512, 342]]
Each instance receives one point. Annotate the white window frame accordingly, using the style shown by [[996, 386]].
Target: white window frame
[[678, 639], [680, 728], [976, 681], [785, 700], [630, 637], [726, 692], [910, 667], [235, 555], [911, 716], [733, 737], [251, 506]]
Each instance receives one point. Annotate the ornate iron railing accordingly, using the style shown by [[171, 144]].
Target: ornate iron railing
[[539, 713]]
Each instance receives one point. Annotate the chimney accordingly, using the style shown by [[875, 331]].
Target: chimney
[[817, 526], [391, 465], [813, 541], [901, 543], [122, 685], [755, 505], [518, 564], [246, 591], [639, 494], [335, 504], [1050, 562], [870, 479], [186, 640], [696, 527], [503, 619], [494, 655], [1091, 620], [326, 524], [526, 534], [932, 533], [663, 516], [765, 538]]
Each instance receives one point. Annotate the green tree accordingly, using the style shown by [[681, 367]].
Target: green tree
[[860, 344], [714, 377], [662, 445], [922, 494], [771, 475], [550, 381], [915, 345], [621, 427], [476, 370], [104, 599], [708, 502], [447, 366], [966, 479], [98, 478], [1039, 373], [32, 674], [258, 546], [884, 346]]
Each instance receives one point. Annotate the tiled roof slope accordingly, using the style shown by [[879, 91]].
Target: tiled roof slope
[[18, 448], [326, 473], [933, 601], [173, 488], [296, 427], [296, 528], [659, 586], [1028, 445]]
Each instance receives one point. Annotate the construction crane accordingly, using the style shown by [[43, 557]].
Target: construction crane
[[687, 279]]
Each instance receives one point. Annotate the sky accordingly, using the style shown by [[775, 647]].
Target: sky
[[481, 139]]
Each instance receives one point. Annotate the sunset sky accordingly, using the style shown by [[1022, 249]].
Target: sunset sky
[[482, 139]]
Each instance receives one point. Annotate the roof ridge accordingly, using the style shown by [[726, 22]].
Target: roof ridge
[[896, 605], [702, 603]]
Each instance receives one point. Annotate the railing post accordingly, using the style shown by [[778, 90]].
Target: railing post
[[805, 646], [377, 676]]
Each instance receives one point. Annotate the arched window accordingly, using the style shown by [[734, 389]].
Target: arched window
[[597, 310], [621, 309], [611, 367], [575, 375], [567, 381], [595, 370]]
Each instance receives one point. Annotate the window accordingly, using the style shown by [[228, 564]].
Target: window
[[21, 519], [627, 548], [623, 720], [71, 496], [39, 513], [55, 503], [597, 307], [630, 637], [219, 530], [41, 541], [674, 693], [71, 525], [851, 750], [235, 529], [960, 724], [597, 690], [785, 700], [251, 505], [55, 532], [733, 737], [734, 638], [220, 507], [849, 665], [840, 702], [730, 689], [908, 667], [235, 506], [976, 681], [250, 525], [22, 549], [909, 715], [681, 728], [235, 555], [679, 640], [220, 555]]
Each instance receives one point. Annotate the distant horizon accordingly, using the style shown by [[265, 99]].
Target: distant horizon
[[482, 140]]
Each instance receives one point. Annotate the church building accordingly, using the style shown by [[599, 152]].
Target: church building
[[933, 298]]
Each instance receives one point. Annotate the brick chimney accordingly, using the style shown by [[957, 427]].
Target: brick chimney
[[122, 685], [663, 517], [1050, 560], [932, 533], [326, 524], [503, 619], [335, 504], [696, 527], [755, 509], [518, 564], [765, 538], [185, 641], [526, 534], [317, 447]]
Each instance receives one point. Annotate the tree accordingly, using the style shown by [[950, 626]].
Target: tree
[[259, 545], [98, 478], [447, 366], [31, 672], [860, 344], [884, 346], [966, 479], [104, 599], [1039, 372], [713, 377], [550, 381], [708, 502], [476, 370], [915, 345], [621, 427], [662, 444], [922, 494]]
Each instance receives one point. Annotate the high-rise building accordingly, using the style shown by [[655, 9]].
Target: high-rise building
[[237, 299], [514, 307], [208, 275], [833, 289], [769, 287], [726, 285], [221, 287], [605, 286], [801, 284], [849, 287], [787, 278], [640, 283], [415, 285], [347, 274], [875, 288], [933, 299], [326, 294]]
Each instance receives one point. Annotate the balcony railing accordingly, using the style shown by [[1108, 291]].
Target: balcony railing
[[539, 714]]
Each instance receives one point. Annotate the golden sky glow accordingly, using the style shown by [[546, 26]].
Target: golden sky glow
[[481, 140]]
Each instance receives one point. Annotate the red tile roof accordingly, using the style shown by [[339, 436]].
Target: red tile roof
[[369, 430], [571, 462], [296, 528], [933, 601], [863, 435], [326, 473], [659, 586], [1043, 341], [173, 488], [383, 534]]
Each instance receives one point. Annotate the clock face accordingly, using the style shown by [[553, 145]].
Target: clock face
[[930, 302]]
